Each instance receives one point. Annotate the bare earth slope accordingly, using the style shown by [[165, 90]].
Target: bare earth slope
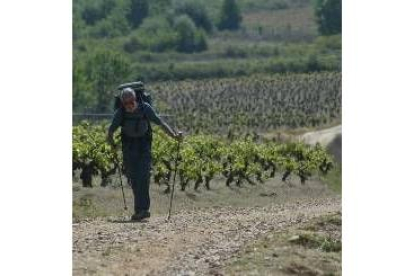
[[192, 243], [324, 137]]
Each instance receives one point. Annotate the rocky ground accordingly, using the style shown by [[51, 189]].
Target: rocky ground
[[192, 243]]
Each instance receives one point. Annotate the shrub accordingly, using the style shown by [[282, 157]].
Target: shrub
[[313, 63], [189, 39], [91, 14], [329, 16], [138, 11], [114, 25], [200, 43], [155, 34], [230, 17], [153, 25], [332, 42], [196, 11], [132, 45], [232, 51]]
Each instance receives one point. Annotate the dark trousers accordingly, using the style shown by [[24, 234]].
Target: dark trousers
[[137, 162]]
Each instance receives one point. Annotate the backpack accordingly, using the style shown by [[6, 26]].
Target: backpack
[[141, 96]]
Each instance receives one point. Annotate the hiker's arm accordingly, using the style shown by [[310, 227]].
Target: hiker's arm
[[167, 129], [153, 117], [116, 122]]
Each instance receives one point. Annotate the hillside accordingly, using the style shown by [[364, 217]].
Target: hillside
[[177, 40]]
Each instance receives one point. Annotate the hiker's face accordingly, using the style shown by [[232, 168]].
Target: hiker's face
[[130, 104]]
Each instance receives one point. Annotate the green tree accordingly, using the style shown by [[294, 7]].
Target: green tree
[[131, 45], [139, 10], [329, 16], [154, 24], [104, 70], [91, 14], [200, 43], [159, 6], [107, 29], [82, 87], [78, 26], [230, 17], [157, 34], [196, 11], [186, 30], [107, 6], [115, 24], [189, 38]]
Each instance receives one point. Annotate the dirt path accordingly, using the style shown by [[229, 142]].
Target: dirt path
[[192, 243], [324, 137]]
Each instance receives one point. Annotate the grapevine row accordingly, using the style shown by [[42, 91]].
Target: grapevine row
[[202, 158], [261, 103]]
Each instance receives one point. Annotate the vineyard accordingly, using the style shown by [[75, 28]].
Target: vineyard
[[254, 185], [260, 103], [201, 159]]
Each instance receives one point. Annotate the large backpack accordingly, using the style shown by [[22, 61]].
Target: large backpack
[[141, 96]]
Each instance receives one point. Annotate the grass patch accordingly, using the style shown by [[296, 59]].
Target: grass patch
[[334, 178], [316, 241], [299, 269], [85, 207], [315, 251], [95, 203], [334, 219]]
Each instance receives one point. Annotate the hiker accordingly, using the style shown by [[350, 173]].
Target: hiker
[[134, 117]]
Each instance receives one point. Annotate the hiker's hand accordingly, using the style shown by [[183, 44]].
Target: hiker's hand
[[179, 136]]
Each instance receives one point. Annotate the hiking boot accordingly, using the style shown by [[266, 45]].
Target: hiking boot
[[140, 215]]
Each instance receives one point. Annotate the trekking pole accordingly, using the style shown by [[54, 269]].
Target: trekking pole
[[175, 173], [120, 178]]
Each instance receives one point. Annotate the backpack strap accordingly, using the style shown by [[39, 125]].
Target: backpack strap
[[149, 131], [123, 115]]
